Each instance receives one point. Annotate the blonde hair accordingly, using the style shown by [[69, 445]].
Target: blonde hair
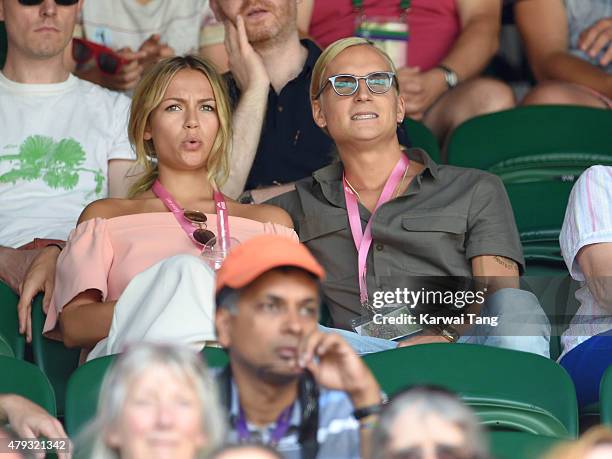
[[330, 53], [149, 93], [597, 436], [181, 361]]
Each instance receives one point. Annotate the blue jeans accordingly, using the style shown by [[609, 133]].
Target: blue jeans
[[586, 364], [516, 310]]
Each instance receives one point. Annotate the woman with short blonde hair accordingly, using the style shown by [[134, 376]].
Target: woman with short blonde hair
[[171, 386]]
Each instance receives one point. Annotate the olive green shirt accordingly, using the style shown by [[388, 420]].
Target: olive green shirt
[[447, 216]]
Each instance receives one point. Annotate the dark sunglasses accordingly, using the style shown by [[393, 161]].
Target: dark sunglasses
[[347, 85], [201, 234], [57, 2], [108, 61]]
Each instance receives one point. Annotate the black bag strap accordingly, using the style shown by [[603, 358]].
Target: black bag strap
[[308, 395]]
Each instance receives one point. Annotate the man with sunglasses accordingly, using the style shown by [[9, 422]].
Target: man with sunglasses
[[63, 144], [288, 384], [383, 217], [275, 141]]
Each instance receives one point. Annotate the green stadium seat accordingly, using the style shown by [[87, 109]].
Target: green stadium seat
[[23, 378], [420, 136], [84, 387], [509, 390], [536, 143], [520, 445], [9, 320], [52, 357], [5, 348], [605, 397]]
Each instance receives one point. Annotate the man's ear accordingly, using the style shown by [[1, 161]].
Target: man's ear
[[223, 325], [318, 115], [401, 109]]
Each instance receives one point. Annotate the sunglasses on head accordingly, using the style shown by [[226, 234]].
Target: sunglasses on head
[[57, 2], [108, 61], [347, 85], [201, 234]]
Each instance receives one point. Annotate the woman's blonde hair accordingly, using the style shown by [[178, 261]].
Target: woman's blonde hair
[[149, 93], [330, 53], [183, 362], [597, 436]]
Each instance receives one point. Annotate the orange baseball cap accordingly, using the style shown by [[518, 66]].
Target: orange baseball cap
[[260, 254]]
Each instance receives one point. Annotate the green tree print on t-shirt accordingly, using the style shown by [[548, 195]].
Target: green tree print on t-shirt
[[58, 164]]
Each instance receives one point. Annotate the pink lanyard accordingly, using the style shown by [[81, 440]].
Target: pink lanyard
[[220, 208], [363, 239]]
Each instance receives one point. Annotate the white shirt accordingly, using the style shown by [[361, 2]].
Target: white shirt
[[184, 25], [588, 220], [55, 144]]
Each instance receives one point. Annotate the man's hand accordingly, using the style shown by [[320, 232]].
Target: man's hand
[[29, 420], [420, 89], [154, 51], [596, 38], [339, 368], [422, 339], [129, 74], [246, 65], [39, 278]]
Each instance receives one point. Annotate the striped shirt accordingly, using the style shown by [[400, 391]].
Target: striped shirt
[[338, 433], [588, 220]]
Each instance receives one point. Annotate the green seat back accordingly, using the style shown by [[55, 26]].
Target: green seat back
[[82, 393], [85, 383], [508, 389], [5, 348], [51, 356], [22, 378], [605, 397], [520, 445], [420, 136], [536, 143], [9, 320]]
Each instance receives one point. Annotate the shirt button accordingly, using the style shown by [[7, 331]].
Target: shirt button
[[280, 108], [379, 247]]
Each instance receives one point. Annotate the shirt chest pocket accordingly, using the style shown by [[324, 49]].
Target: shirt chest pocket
[[434, 233], [328, 238]]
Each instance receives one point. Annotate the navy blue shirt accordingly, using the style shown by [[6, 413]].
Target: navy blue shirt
[[291, 145]]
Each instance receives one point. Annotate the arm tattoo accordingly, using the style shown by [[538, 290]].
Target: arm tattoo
[[506, 263]]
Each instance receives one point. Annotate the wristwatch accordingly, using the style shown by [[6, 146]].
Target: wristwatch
[[449, 75], [450, 334]]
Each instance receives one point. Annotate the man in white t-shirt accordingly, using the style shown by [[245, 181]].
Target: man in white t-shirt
[[63, 143], [143, 31]]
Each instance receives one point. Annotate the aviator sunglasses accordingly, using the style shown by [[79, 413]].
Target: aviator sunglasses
[[347, 85], [57, 2], [201, 234]]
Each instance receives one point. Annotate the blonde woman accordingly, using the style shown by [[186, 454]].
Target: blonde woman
[[156, 401], [180, 128]]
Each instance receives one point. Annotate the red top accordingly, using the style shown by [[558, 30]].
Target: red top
[[434, 25]]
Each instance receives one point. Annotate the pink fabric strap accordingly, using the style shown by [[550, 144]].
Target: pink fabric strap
[[222, 221], [363, 239], [178, 212]]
